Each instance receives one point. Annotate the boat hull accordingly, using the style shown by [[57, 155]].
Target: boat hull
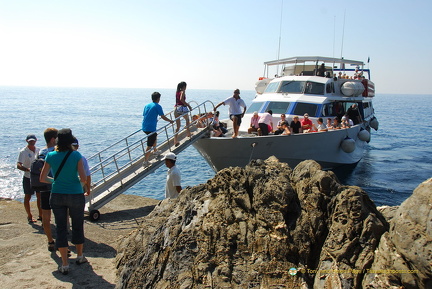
[[323, 147]]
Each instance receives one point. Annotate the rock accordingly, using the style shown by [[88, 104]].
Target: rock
[[263, 226], [404, 256]]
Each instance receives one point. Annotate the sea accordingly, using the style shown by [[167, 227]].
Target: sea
[[397, 159]]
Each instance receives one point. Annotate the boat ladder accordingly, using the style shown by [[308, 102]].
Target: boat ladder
[[120, 166]]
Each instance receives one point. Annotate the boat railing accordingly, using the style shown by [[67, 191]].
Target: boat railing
[[128, 151]]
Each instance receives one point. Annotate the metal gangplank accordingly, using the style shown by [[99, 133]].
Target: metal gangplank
[[120, 166]]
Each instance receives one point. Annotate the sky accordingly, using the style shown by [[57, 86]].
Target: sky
[[219, 44]]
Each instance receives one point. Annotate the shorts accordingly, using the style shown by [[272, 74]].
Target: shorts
[[264, 128], [239, 118], [45, 200], [151, 139], [28, 190]]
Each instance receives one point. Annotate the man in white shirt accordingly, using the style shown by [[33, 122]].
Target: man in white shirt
[[235, 104], [173, 182], [26, 156]]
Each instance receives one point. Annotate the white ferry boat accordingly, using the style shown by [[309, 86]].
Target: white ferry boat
[[323, 87]]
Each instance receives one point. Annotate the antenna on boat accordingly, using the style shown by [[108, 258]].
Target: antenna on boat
[[343, 34], [334, 35], [280, 36]]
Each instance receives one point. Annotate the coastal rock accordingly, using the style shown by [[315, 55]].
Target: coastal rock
[[263, 226], [404, 256]]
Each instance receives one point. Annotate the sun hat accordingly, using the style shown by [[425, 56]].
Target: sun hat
[[170, 156]]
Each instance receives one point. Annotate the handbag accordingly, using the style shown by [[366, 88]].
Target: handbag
[[62, 164]]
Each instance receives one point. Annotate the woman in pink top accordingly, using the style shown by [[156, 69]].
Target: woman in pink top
[[182, 108]]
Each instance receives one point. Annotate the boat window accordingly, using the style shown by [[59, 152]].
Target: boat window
[[301, 108], [314, 88], [272, 87], [255, 106], [292, 86], [278, 107]]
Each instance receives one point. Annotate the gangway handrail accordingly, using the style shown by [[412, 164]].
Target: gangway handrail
[[106, 166]]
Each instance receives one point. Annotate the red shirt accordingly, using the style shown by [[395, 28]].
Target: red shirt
[[306, 123]]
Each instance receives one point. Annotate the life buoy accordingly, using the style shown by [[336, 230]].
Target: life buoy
[[348, 145], [374, 123]]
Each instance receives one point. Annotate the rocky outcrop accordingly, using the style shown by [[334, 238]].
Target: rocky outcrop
[[262, 226]]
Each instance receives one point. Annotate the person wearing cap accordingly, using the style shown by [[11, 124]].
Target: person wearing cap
[[254, 126], [25, 157], [67, 195], [149, 123], [306, 123], [236, 114], [173, 181], [50, 136]]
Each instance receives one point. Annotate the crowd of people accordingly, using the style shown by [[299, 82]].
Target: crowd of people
[[263, 125]]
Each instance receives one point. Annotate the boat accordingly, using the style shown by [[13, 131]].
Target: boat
[[323, 87]]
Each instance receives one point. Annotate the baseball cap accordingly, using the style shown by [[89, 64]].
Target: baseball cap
[[306, 114], [31, 137], [75, 142], [170, 156]]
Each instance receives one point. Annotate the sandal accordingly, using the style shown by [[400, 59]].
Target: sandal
[[31, 220], [51, 246], [39, 218]]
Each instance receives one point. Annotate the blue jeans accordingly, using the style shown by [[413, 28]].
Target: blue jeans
[[60, 205]]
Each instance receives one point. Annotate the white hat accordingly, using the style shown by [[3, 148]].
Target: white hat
[[170, 156]]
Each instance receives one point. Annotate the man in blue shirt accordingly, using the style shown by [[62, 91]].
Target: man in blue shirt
[[149, 123]]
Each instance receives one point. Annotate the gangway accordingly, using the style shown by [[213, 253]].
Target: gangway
[[120, 166]]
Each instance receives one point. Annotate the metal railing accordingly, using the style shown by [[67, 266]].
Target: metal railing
[[127, 151]]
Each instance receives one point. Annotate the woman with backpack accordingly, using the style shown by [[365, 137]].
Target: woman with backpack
[[67, 195]]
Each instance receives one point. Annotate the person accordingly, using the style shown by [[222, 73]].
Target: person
[[173, 181], [321, 70], [67, 196], [87, 188], [280, 129], [346, 122], [354, 114], [266, 123], [295, 125], [321, 126], [25, 157], [149, 123], [235, 103], [306, 123], [286, 129], [254, 126], [336, 123], [216, 126], [50, 136], [181, 109], [329, 123]]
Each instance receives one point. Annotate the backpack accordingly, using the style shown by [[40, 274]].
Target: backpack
[[35, 171]]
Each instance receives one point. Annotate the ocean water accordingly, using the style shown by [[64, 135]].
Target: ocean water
[[397, 160]]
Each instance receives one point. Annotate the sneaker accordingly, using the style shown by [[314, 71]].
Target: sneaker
[[146, 163], [81, 260], [64, 269], [157, 152]]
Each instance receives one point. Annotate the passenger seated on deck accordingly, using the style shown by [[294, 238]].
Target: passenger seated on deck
[[321, 126], [336, 123], [306, 123], [217, 124], [285, 128], [197, 121], [280, 129], [254, 123], [346, 122], [329, 124], [295, 125]]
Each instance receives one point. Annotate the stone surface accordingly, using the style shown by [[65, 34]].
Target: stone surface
[[247, 227]]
